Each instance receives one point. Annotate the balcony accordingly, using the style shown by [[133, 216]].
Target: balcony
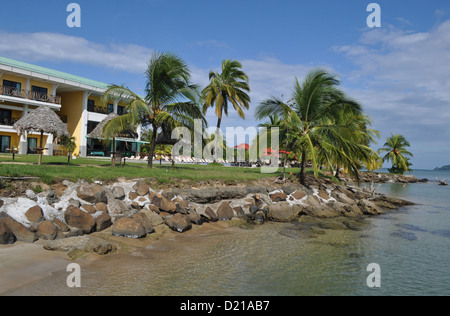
[[8, 121], [29, 95]]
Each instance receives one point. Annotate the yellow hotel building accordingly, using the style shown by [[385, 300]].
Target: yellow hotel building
[[24, 87]]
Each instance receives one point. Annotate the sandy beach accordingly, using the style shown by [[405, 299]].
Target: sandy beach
[[26, 268]]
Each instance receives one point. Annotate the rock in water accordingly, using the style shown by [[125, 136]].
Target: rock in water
[[179, 223], [129, 227], [82, 243], [283, 212]]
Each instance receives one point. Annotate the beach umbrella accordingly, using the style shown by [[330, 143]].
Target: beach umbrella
[[42, 120], [98, 133], [243, 145]]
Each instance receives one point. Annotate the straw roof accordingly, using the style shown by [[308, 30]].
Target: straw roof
[[98, 131], [42, 120]]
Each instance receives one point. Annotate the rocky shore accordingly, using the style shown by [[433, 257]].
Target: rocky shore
[[66, 220]]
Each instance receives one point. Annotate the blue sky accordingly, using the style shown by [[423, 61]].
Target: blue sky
[[399, 72]]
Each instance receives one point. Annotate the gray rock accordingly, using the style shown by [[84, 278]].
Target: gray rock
[[92, 193], [118, 192], [284, 212], [81, 243]]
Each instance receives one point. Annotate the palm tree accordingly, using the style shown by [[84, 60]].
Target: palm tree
[[230, 86], [395, 149], [313, 111], [284, 118], [170, 99]]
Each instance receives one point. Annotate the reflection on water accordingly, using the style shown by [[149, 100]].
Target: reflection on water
[[327, 257]]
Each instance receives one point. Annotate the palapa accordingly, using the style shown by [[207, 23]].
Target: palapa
[[42, 120], [98, 133]]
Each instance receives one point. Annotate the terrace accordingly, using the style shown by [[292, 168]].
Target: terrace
[[29, 95]]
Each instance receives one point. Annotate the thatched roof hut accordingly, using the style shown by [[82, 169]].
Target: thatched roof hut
[[98, 131], [42, 120]]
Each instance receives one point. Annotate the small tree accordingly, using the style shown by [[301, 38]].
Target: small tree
[[68, 143], [395, 149]]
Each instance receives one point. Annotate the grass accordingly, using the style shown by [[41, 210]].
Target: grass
[[55, 169]]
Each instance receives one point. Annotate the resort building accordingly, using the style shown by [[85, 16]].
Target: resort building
[[24, 87]]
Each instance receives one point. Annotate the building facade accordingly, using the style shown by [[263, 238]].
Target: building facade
[[24, 87]]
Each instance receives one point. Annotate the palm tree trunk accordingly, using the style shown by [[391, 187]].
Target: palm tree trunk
[[41, 148], [219, 122], [152, 147], [303, 168]]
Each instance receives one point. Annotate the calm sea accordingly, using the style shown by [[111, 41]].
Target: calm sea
[[411, 247]]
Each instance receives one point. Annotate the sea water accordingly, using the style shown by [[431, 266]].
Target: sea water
[[411, 247]]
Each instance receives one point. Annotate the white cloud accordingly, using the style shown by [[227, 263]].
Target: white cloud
[[58, 47], [402, 79]]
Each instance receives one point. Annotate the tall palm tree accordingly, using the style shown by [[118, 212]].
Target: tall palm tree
[[315, 105], [171, 100], [395, 149], [230, 86]]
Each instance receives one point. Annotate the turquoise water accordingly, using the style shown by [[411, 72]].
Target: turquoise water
[[411, 246]]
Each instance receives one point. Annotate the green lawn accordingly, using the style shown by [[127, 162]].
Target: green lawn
[[55, 169]]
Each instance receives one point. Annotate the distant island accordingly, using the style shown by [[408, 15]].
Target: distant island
[[443, 168]]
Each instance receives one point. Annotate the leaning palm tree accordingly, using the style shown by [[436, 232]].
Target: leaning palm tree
[[314, 106], [230, 86], [395, 149], [171, 100]]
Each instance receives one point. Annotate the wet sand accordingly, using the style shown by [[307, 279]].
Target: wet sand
[[22, 264], [29, 269]]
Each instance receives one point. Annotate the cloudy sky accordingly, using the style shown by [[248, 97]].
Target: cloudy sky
[[399, 72]]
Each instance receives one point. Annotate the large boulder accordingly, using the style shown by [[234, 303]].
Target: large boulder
[[92, 193], [6, 235], [369, 208], [278, 196], [145, 221], [141, 188], [154, 218], [179, 223], [81, 243], [283, 212], [211, 215], [129, 227], [225, 212], [47, 230], [35, 214], [162, 203], [118, 192], [102, 222], [118, 208], [20, 231], [75, 217]]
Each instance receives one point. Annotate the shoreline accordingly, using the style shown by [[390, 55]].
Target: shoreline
[[235, 208]]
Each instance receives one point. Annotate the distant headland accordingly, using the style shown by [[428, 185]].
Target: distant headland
[[447, 167]]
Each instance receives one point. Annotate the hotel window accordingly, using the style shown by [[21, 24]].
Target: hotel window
[[5, 117], [11, 87], [5, 143], [91, 106], [39, 93], [121, 110], [110, 108], [39, 90], [91, 126]]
